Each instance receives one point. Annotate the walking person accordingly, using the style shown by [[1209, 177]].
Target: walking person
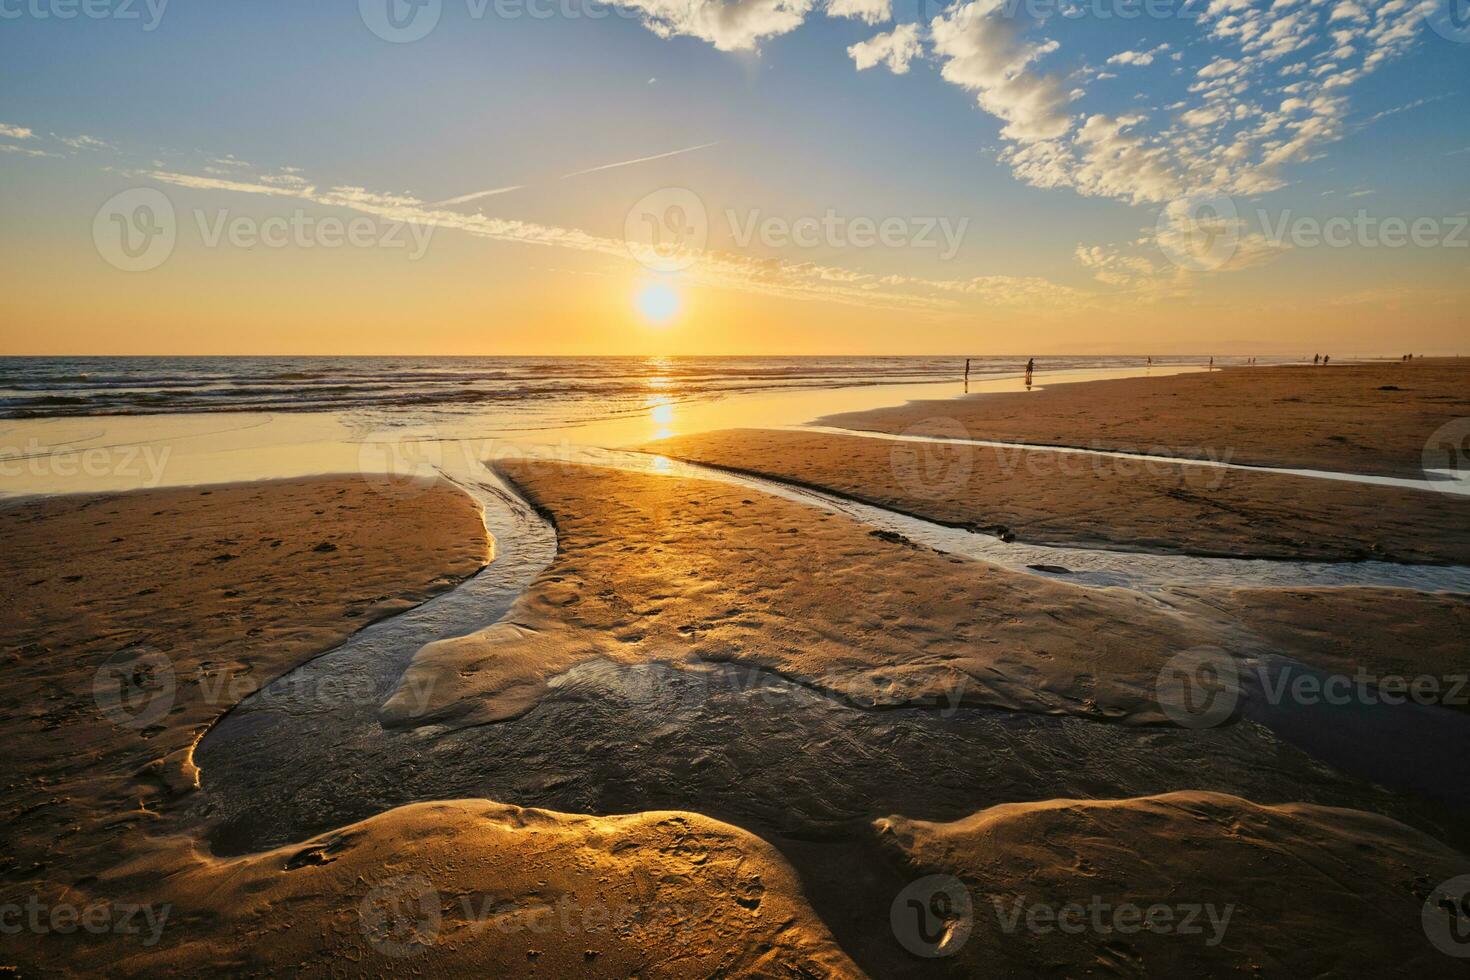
[[1030, 369]]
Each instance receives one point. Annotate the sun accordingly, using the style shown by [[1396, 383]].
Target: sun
[[658, 302]]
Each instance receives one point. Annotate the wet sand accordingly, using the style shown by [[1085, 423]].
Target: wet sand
[[653, 568], [739, 711], [1356, 418], [1240, 889], [1053, 498], [135, 621]]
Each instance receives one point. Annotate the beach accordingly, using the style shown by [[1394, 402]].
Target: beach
[[798, 700]]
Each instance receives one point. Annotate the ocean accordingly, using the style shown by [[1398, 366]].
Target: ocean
[[582, 388]]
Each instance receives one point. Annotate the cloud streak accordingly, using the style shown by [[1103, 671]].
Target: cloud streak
[[636, 160]]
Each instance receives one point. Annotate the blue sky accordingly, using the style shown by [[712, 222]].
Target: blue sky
[[1074, 144]]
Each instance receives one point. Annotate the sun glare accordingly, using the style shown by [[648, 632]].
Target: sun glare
[[658, 302]]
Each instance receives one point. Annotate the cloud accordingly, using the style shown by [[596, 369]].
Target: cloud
[[984, 53], [895, 49], [730, 25], [1140, 58], [629, 163], [16, 132], [867, 11], [766, 276]]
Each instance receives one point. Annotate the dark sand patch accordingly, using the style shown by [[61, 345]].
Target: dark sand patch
[[1313, 891], [1353, 418], [1054, 498], [1379, 634]]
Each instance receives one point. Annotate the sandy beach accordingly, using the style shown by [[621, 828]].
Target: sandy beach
[[1353, 418], [979, 740]]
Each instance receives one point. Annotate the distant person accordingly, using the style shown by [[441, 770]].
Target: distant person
[[967, 370], [1212, 364], [1326, 359], [1030, 369], [1150, 361], [1316, 359]]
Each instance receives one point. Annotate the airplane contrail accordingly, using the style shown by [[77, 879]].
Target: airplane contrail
[[628, 163], [477, 195]]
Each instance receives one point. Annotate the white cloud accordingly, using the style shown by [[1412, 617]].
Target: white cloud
[[985, 54], [867, 11], [1140, 58], [15, 132], [895, 49], [730, 25]]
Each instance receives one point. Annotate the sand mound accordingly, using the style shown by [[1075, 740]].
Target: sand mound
[[473, 888], [1186, 884]]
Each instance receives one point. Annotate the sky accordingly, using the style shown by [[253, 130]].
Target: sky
[[1272, 177]]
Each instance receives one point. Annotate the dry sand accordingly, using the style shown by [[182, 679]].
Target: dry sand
[[1054, 498], [662, 568], [1312, 891], [1354, 418], [203, 595]]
